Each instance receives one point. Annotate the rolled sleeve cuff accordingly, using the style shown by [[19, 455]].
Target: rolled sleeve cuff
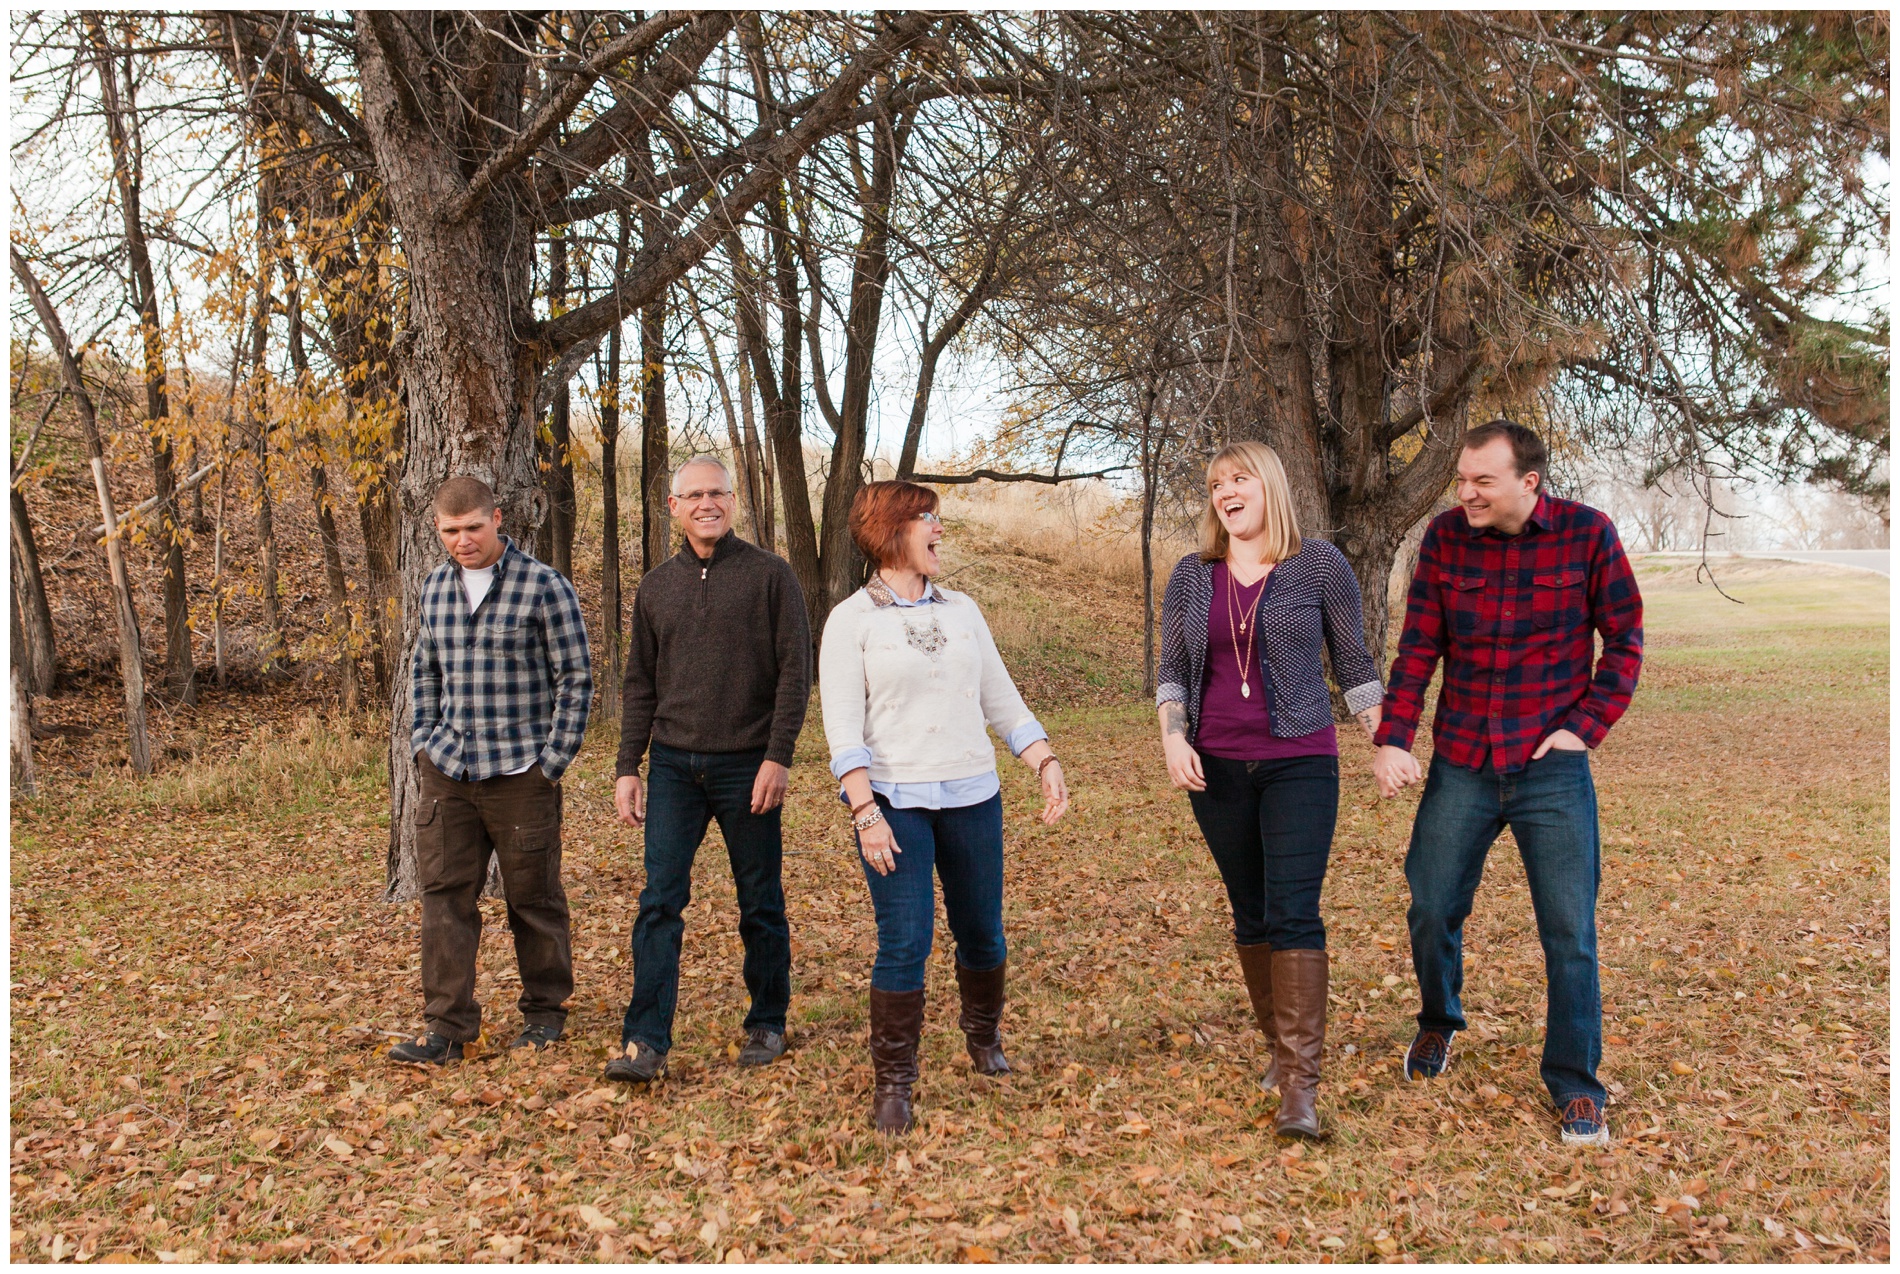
[[1364, 698], [848, 760], [1170, 692], [1394, 734], [1025, 734], [1585, 727]]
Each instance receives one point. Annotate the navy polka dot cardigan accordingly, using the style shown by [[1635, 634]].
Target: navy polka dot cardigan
[[1310, 597]]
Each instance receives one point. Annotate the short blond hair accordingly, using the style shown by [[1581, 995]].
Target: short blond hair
[[1282, 529]]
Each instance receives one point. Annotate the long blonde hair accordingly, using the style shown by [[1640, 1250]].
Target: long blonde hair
[[1282, 530]]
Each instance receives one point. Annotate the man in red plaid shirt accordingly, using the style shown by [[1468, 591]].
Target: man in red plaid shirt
[[1511, 590]]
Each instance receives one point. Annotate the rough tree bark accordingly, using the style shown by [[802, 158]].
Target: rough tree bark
[[559, 527], [25, 780], [40, 655], [122, 132], [131, 660], [611, 621]]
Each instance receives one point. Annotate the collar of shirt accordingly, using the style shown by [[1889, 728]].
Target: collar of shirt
[[724, 547], [882, 595]]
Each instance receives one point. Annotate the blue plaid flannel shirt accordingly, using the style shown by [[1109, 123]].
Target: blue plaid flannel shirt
[[507, 686]]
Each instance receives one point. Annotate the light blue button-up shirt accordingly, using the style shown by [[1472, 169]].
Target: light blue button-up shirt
[[947, 794]]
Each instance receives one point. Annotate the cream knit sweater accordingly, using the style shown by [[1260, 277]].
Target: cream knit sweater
[[916, 685]]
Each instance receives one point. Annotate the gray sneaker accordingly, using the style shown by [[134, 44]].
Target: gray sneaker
[[644, 1065], [762, 1047]]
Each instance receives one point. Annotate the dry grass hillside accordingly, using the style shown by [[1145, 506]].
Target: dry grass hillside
[[203, 984]]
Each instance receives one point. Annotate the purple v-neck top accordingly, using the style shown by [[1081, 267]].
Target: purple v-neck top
[[1236, 727]]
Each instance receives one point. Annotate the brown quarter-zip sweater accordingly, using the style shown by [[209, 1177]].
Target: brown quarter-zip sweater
[[719, 656]]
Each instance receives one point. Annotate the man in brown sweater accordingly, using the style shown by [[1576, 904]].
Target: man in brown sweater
[[718, 674]]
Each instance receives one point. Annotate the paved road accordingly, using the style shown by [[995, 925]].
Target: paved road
[[1878, 561]]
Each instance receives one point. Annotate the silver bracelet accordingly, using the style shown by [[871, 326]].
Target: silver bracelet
[[868, 821]]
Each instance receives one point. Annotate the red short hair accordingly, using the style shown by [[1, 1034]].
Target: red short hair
[[881, 516]]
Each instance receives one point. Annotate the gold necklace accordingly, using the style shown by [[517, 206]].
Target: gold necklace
[[1245, 629]]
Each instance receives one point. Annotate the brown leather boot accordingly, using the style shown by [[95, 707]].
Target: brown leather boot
[[982, 995], [1299, 1016], [897, 1020], [1256, 966]]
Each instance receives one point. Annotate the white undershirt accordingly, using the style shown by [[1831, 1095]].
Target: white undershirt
[[476, 584]]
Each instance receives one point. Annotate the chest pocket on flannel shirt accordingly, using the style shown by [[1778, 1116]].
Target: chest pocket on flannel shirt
[[1466, 603], [510, 633], [1557, 599]]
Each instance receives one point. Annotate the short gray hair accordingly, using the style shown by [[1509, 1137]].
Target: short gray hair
[[702, 458]]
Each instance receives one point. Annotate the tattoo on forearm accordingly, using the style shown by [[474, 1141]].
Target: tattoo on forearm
[[1173, 719], [1370, 722]]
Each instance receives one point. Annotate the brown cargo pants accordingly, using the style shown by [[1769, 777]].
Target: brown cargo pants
[[458, 824]]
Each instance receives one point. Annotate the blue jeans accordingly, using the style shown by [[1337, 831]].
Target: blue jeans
[[685, 791], [1551, 808], [1269, 825], [964, 848]]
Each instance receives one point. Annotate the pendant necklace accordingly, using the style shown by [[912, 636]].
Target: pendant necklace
[[1238, 626]]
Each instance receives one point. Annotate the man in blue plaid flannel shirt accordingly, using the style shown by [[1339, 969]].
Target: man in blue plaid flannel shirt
[[500, 685]]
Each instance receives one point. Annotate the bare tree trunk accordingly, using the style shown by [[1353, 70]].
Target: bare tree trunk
[[376, 516], [610, 600], [131, 661], [29, 585], [334, 580], [122, 132], [1150, 465], [745, 481], [25, 781], [758, 464], [870, 273], [560, 473], [259, 430], [656, 527], [217, 575], [783, 397]]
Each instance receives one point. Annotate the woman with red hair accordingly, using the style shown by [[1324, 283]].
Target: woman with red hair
[[909, 678]]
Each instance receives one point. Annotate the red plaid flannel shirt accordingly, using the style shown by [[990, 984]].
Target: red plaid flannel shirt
[[1513, 618]]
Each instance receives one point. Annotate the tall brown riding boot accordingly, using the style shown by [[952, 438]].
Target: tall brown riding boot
[[897, 1020], [982, 995], [1256, 966], [1299, 1016]]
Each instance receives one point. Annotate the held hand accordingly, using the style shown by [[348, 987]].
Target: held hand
[[879, 847], [768, 789], [1394, 769], [1184, 764], [1562, 741], [1055, 793], [630, 800]]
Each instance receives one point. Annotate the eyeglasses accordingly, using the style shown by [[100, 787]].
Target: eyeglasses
[[931, 518], [711, 493]]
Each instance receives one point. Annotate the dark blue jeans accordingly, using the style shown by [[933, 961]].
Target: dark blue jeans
[[1551, 808], [964, 848], [685, 791], [1269, 825]]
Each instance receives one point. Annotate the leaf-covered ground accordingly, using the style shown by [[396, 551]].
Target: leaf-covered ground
[[203, 985]]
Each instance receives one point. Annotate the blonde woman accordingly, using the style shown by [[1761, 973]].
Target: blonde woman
[[1247, 726]]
